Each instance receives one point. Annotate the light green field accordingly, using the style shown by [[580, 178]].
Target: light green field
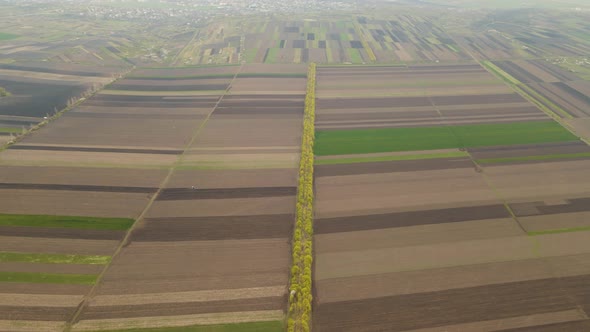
[[53, 258], [7, 36], [17, 220], [360, 141], [6, 130], [48, 278]]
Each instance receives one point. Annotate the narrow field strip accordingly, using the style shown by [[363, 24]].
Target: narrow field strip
[[559, 231], [391, 158], [360, 141], [17, 220], [270, 326], [535, 158], [188, 322], [179, 78], [53, 258], [30, 326], [160, 93], [48, 278], [39, 300], [192, 296]]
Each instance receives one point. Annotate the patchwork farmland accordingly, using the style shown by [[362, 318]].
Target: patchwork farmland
[[445, 201], [214, 200]]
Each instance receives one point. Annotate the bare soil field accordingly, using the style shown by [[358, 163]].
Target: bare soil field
[[180, 73], [233, 178], [58, 246], [51, 202]]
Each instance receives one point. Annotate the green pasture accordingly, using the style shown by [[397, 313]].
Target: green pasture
[[48, 278], [112, 224], [7, 36], [358, 141]]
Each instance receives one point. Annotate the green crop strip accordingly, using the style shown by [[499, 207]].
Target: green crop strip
[[53, 258], [558, 231], [6, 130], [392, 158], [7, 36], [113, 224], [48, 278], [273, 326], [532, 158], [358, 141], [299, 314]]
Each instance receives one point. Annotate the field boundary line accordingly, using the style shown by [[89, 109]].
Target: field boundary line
[[88, 296], [300, 287]]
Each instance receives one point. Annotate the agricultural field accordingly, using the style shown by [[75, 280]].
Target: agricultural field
[[428, 199], [36, 90], [213, 246]]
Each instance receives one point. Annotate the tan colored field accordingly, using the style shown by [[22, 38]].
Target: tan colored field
[[269, 85], [234, 178], [72, 203], [58, 246], [58, 77]]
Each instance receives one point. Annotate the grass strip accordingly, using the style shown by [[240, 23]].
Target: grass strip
[[21, 220], [359, 141], [559, 231], [48, 278], [8, 130], [532, 158], [392, 158], [300, 298], [53, 258], [272, 326]]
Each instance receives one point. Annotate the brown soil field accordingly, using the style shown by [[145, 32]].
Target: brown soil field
[[439, 255], [535, 321], [233, 178], [31, 326], [269, 85], [49, 76], [215, 228], [57, 314], [137, 116], [180, 72], [242, 161], [273, 68], [170, 83], [553, 222], [578, 325], [415, 235], [39, 300], [392, 166], [184, 308], [238, 133], [456, 277], [222, 207], [54, 147], [58, 246], [49, 202], [152, 133], [160, 88], [521, 182], [408, 219], [266, 102], [552, 206], [181, 320], [51, 289], [51, 268], [173, 112], [81, 176], [165, 263], [69, 187], [177, 194], [341, 195], [44, 158], [437, 309]]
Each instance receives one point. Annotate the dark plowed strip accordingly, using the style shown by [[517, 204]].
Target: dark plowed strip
[[36, 313], [445, 67], [265, 110], [187, 308], [62, 233], [10, 123], [529, 150], [265, 97], [477, 99], [391, 166], [138, 116], [411, 218], [215, 228], [540, 208], [111, 189], [272, 75], [261, 103], [493, 111], [194, 87], [172, 194], [577, 326], [437, 309], [364, 103], [85, 149]]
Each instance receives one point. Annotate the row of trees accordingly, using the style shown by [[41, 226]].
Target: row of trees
[[299, 317]]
